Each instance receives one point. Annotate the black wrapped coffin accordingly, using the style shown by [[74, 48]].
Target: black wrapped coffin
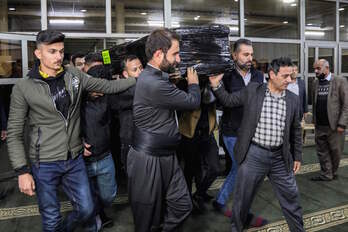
[[206, 48]]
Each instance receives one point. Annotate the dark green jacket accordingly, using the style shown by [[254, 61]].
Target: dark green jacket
[[51, 135]]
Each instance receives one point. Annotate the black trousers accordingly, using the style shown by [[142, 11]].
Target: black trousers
[[158, 193], [201, 156], [251, 173]]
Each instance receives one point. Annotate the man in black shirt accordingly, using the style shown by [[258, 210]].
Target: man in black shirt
[[158, 192]]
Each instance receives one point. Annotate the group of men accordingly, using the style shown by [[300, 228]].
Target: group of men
[[69, 111]]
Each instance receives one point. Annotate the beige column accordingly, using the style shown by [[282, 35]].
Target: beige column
[[120, 16]]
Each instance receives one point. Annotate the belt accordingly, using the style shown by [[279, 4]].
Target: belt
[[154, 144], [268, 148]]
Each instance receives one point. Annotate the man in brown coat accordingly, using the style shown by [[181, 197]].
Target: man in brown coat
[[330, 114]]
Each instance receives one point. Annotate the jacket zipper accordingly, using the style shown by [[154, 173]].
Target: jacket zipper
[[37, 146]]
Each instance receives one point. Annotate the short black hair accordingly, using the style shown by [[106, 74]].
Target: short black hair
[[49, 37], [160, 39], [239, 42], [93, 57], [76, 55], [126, 59], [279, 62]]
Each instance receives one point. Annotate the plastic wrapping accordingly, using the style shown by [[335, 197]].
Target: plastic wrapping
[[206, 48]]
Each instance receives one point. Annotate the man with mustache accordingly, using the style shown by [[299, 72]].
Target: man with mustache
[[268, 143], [234, 81], [158, 193], [330, 115]]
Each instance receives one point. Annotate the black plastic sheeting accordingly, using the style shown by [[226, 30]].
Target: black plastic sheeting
[[206, 48]]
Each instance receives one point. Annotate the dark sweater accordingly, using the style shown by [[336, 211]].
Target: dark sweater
[[232, 117], [321, 110]]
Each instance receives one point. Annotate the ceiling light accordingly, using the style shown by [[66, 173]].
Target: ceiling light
[[315, 33], [340, 9], [11, 9], [309, 24], [288, 1], [285, 22], [293, 4], [67, 21], [234, 28], [341, 26], [83, 10], [154, 23], [236, 0], [143, 13], [197, 17]]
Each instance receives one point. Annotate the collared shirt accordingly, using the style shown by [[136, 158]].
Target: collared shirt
[[247, 76], [270, 128], [328, 78], [293, 87]]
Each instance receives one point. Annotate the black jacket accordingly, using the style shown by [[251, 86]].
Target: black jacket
[[252, 99], [232, 117], [155, 102], [96, 119], [122, 103]]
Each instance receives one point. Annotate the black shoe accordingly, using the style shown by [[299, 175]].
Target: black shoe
[[198, 205], [320, 178], [106, 221], [206, 197]]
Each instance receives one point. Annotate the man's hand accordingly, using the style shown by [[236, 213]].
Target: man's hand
[[340, 130], [215, 80], [192, 77], [86, 152], [3, 135], [26, 184], [175, 77], [297, 166]]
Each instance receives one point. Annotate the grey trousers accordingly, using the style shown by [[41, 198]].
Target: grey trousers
[[329, 145], [158, 192], [250, 176]]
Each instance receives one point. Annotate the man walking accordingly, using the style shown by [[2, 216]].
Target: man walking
[[330, 114], [268, 143], [158, 192], [50, 100]]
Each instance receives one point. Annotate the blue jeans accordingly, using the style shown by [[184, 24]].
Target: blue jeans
[[72, 175], [102, 180], [228, 185]]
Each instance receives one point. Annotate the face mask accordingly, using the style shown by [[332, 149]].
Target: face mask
[[321, 76]]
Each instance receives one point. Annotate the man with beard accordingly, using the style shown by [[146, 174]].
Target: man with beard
[[158, 193], [268, 143], [234, 81], [95, 125], [49, 100], [330, 115]]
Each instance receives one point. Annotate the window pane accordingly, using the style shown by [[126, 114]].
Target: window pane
[[272, 18], [31, 55], [327, 54], [136, 16], [343, 10], [18, 16], [311, 58], [76, 16], [10, 59], [84, 46], [320, 20], [194, 13], [264, 53], [344, 61]]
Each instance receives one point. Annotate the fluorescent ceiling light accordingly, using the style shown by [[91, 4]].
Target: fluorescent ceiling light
[[316, 28], [309, 24], [11, 9], [234, 28], [341, 26], [67, 21], [341, 9], [83, 10], [153, 23], [288, 1], [143, 13], [293, 4], [197, 17], [285, 22], [315, 33], [236, 0]]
